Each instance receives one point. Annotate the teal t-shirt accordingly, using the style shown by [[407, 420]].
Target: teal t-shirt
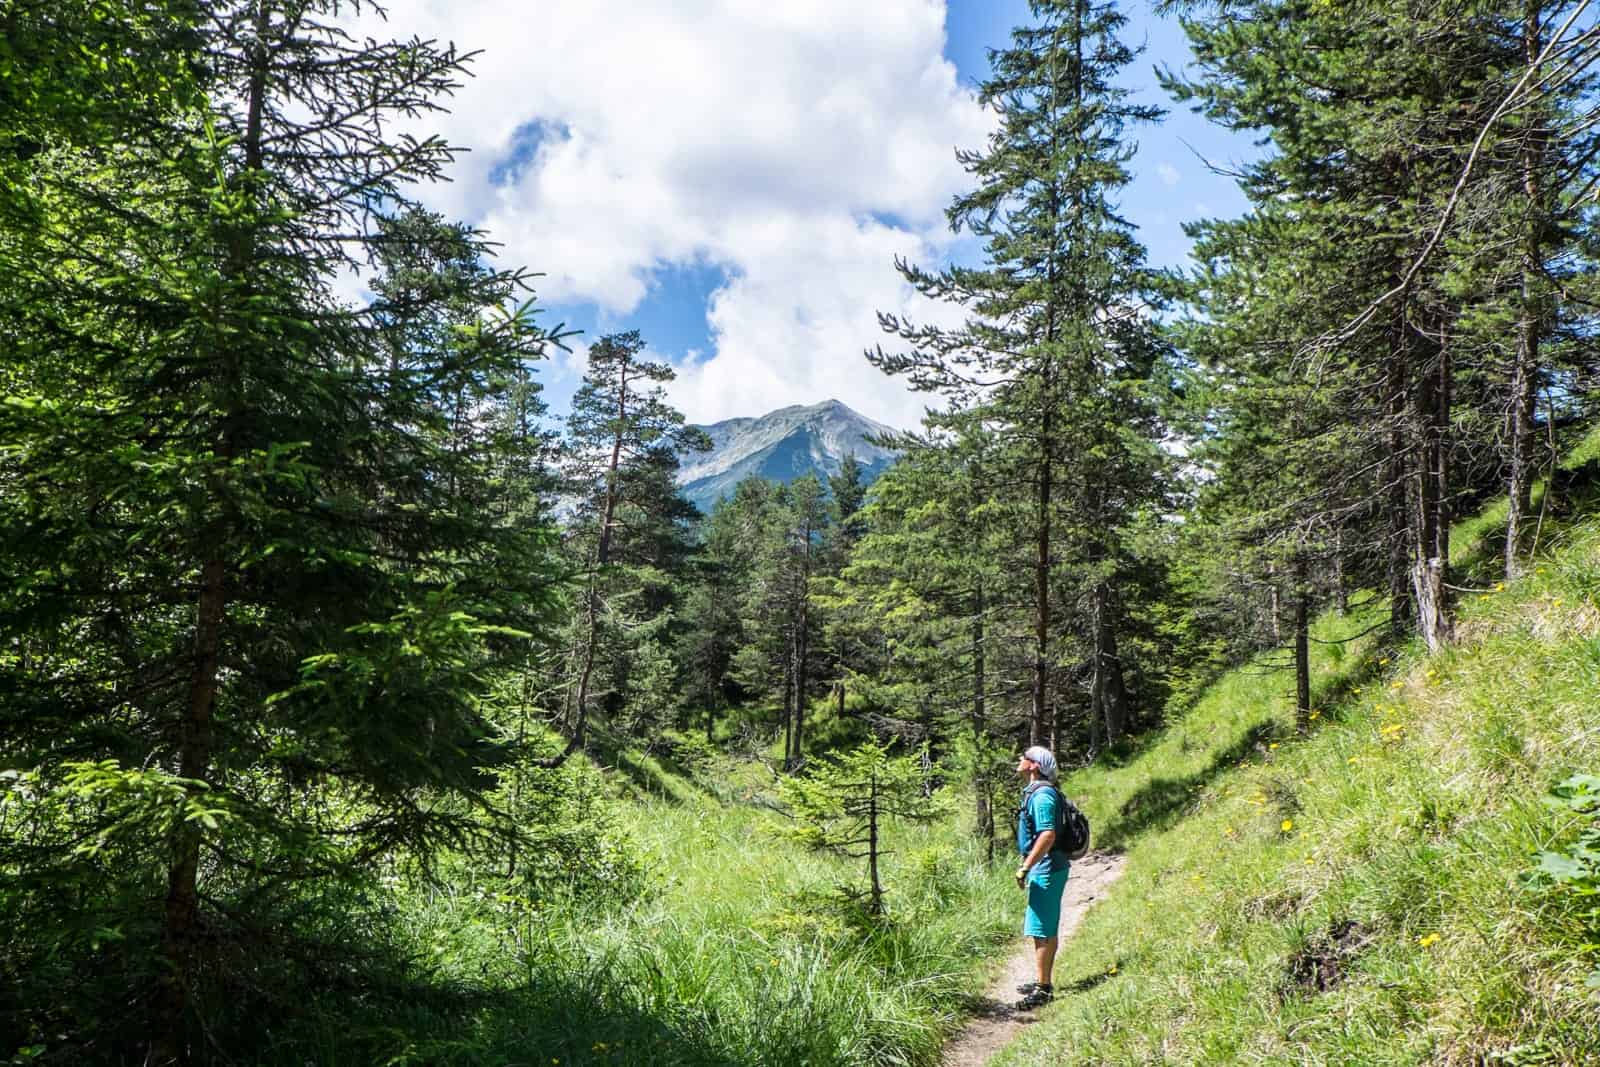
[[1041, 803]]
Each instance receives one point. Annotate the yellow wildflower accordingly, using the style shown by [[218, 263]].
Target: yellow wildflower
[[1287, 825], [1427, 939]]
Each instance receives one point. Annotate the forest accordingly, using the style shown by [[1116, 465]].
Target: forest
[[357, 708]]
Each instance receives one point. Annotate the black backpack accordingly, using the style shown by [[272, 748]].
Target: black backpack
[[1072, 825]]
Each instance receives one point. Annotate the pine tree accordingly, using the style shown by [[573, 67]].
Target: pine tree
[[1371, 110], [621, 455], [1059, 350], [255, 604], [845, 807]]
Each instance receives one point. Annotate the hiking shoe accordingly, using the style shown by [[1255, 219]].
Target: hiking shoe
[[1027, 987], [1038, 998]]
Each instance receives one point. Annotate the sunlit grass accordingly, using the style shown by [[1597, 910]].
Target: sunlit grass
[[1384, 850], [739, 951]]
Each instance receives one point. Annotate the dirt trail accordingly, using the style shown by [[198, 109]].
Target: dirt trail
[[994, 1022]]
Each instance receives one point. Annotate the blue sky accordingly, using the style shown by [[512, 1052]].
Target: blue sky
[[733, 178]]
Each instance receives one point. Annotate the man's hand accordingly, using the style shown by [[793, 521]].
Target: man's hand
[[1022, 877]]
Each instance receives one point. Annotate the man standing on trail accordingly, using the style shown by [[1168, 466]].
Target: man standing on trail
[[1043, 871]]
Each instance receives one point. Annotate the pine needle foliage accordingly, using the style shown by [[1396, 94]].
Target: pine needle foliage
[[845, 805]]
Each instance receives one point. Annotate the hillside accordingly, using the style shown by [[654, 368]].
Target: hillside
[[1361, 895], [781, 446]]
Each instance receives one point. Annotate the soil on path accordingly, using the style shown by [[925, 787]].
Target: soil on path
[[994, 1021]]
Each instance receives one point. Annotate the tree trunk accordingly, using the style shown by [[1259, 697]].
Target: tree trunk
[[788, 705], [1530, 321], [1430, 573], [1110, 694], [984, 822], [1302, 648], [876, 907], [194, 762], [1341, 584], [1096, 722], [602, 556], [1395, 476], [169, 1040], [1275, 604], [802, 650], [1037, 723]]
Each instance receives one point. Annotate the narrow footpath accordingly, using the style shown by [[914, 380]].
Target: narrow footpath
[[994, 1022]]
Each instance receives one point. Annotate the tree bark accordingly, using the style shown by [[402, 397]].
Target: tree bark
[[1302, 648], [1395, 477], [1275, 603], [984, 821], [1110, 694], [1430, 572], [1037, 723], [1530, 320]]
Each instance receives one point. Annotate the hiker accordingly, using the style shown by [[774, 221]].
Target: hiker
[[1043, 871]]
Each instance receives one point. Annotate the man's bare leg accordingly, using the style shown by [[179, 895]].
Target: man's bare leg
[[1044, 957]]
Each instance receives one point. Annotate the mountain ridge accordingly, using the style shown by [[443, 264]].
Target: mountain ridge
[[783, 445]]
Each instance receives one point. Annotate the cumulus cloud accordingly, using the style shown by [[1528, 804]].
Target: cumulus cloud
[[1168, 174], [798, 146]]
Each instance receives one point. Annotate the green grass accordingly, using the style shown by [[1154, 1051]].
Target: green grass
[[737, 952], [1354, 897], [1347, 898]]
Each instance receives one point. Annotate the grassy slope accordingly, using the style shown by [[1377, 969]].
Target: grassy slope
[[1412, 808], [1378, 858], [737, 955]]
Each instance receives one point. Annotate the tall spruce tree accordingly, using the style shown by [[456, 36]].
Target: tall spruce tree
[[254, 601], [620, 456], [1059, 351], [1371, 110]]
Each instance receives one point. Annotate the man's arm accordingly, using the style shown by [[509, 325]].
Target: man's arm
[[1041, 845]]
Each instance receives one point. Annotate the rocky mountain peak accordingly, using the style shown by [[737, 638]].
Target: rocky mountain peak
[[783, 445]]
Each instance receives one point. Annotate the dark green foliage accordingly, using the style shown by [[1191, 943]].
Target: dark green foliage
[[1059, 358], [630, 539], [263, 553]]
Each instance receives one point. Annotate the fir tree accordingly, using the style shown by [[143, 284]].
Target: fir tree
[[257, 601], [1059, 350]]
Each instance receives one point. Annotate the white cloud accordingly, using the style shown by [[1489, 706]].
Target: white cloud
[[1168, 174], [774, 140]]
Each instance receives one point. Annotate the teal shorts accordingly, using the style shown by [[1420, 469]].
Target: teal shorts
[[1044, 903]]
